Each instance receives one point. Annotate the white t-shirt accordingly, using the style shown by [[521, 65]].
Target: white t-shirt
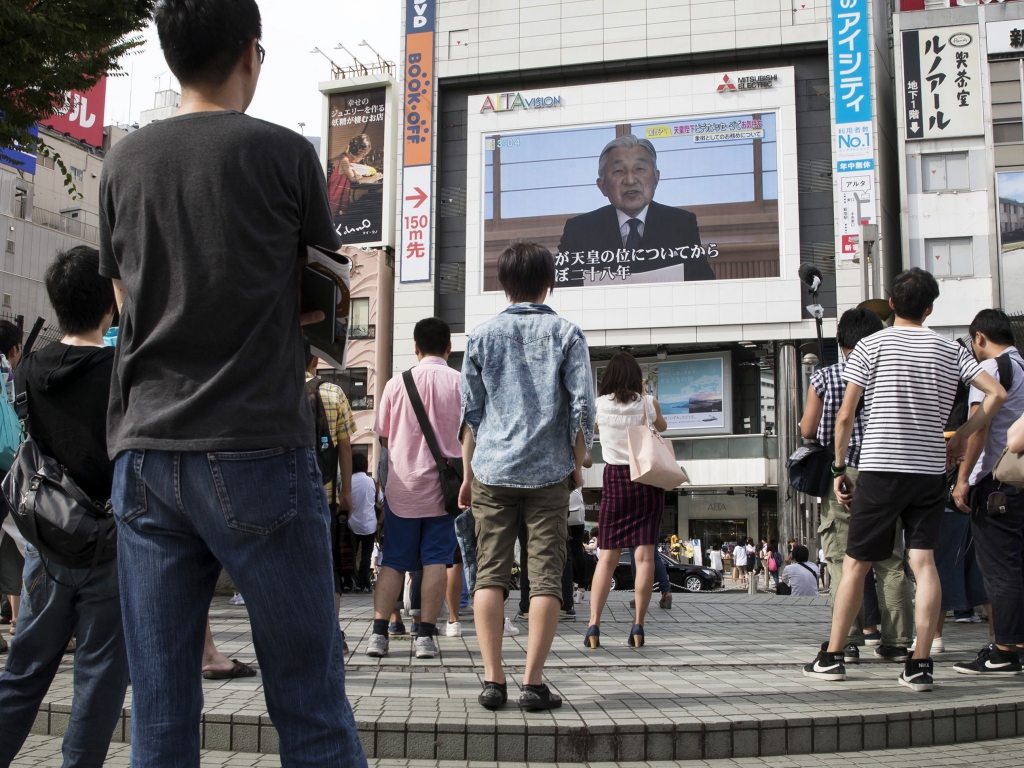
[[801, 579], [740, 556], [362, 520], [909, 375], [1005, 416], [716, 560], [576, 508], [613, 418]]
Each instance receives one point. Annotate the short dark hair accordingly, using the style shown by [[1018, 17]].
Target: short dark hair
[[913, 291], [856, 324], [622, 378], [800, 553], [525, 270], [203, 40], [359, 462], [10, 337], [432, 335], [79, 294], [994, 324]]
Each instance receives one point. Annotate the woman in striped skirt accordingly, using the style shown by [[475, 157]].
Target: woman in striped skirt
[[630, 512]]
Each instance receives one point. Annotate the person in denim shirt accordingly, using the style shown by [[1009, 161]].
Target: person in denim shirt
[[527, 421]]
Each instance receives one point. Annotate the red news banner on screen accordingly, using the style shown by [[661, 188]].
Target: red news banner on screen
[[82, 115], [417, 142]]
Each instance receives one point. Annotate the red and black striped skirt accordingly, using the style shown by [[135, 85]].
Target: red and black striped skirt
[[630, 512]]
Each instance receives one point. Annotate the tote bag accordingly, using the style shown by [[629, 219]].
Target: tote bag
[[652, 460], [1010, 469]]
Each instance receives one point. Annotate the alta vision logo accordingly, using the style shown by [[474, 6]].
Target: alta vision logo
[[506, 102]]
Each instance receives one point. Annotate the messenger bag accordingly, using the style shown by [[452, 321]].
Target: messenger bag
[[449, 470]]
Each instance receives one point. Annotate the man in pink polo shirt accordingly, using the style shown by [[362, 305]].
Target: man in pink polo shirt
[[418, 533]]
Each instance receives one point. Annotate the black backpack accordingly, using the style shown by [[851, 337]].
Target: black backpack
[[326, 450], [54, 514]]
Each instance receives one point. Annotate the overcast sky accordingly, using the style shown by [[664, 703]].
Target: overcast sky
[[287, 92]]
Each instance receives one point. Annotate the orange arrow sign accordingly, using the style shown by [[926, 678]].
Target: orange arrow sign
[[419, 198]]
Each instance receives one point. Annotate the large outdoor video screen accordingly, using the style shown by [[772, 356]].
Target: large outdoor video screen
[[706, 207], [355, 164]]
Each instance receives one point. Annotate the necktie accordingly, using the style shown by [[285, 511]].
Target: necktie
[[633, 238]]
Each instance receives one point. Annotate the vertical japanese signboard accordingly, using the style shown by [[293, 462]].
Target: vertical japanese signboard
[[417, 141], [81, 115], [851, 88], [942, 83]]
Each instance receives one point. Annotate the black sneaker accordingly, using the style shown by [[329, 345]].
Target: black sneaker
[[889, 653], [494, 695], [851, 654], [991, 661], [827, 666], [873, 638], [539, 697], [917, 675]]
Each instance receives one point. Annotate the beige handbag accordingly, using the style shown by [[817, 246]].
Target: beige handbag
[[1010, 469], [652, 460]]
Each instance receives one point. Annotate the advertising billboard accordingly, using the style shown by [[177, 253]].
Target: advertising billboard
[[82, 114], [682, 199], [941, 82], [1010, 188], [356, 164], [675, 198]]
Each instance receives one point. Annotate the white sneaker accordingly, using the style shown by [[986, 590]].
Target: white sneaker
[[510, 630], [425, 647], [453, 629], [938, 646], [576, 597], [237, 599]]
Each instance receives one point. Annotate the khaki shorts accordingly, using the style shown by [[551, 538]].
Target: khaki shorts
[[497, 510]]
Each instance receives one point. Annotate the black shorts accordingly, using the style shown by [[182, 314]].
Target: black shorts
[[882, 498]]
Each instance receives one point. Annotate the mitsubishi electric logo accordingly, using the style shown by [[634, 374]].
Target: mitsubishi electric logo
[[746, 83], [506, 102]]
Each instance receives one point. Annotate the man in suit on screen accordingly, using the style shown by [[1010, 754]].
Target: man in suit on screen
[[634, 239]]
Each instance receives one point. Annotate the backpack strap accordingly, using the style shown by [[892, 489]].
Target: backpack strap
[[421, 417], [809, 569]]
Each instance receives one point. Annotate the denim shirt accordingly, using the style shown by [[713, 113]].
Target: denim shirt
[[526, 392]]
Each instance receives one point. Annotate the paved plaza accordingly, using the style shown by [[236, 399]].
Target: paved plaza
[[719, 677]]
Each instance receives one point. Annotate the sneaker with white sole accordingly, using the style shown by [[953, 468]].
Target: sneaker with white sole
[[873, 639], [827, 666], [510, 629], [891, 653], [917, 675], [237, 599], [938, 646], [972, 619], [377, 646], [991, 661], [453, 629], [425, 647]]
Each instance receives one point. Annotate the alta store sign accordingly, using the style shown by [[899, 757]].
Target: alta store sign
[[506, 102]]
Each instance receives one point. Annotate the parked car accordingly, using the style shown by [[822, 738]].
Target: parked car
[[683, 577]]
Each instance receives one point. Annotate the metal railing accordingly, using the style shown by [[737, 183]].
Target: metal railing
[[361, 403], [68, 226], [362, 332], [362, 70]]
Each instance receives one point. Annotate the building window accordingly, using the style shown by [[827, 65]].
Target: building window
[[945, 173], [359, 318], [7, 300], [10, 246], [949, 257], [353, 383], [77, 173], [46, 162]]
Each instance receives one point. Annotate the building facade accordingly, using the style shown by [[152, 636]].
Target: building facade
[[782, 159], [962, 158]]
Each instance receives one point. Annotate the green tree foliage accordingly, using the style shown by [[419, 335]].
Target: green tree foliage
[[48, 48]]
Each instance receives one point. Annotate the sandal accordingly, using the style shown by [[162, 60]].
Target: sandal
[[238, 670]]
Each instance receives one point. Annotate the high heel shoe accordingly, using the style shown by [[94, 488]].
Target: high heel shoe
[[636, 636], [592, 639]]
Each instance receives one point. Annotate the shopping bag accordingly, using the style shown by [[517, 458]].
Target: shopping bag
[[652, 460]]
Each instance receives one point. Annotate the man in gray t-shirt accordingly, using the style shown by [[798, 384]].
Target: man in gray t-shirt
[[203, 217], [997, 522]]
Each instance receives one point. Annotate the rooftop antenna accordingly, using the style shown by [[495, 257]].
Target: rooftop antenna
[[302, 128], [341, 47], [160, 80], [380, 58]]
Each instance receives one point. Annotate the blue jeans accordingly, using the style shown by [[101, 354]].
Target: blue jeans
[[84, 604], [660, 571], [263, 515], [465, 532]]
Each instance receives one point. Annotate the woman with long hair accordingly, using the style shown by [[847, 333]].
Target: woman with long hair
[[631, 512], [343, 175]]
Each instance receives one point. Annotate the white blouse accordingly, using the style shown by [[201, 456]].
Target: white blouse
[[613, 417]]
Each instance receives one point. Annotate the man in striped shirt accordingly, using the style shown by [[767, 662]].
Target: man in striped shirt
[[824, 397], [908, 377]]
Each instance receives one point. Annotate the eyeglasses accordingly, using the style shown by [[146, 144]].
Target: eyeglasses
[[261, 51]]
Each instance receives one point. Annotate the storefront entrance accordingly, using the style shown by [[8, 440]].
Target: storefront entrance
[[722, 531]]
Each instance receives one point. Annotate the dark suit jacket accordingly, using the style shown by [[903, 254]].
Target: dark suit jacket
[[665, 228]]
